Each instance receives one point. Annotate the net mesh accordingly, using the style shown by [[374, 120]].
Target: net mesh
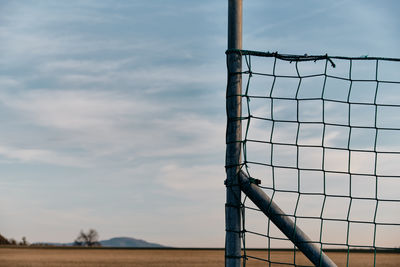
[[323, 136]]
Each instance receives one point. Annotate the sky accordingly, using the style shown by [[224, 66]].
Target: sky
[[113, 112]]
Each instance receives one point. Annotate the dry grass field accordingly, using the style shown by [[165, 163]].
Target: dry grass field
[[35, 257]]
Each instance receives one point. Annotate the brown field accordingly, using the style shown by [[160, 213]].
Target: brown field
[[34, 257]]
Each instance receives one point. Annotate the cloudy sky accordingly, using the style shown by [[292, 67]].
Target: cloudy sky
[[113, 112]]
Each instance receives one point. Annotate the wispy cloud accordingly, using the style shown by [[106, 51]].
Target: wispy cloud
[[29, 155]]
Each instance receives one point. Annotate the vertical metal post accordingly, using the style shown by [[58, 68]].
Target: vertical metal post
[[233, 136]]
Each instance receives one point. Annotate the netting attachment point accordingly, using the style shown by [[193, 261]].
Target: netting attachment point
[[230, 184], [233, 257], [254, 181]]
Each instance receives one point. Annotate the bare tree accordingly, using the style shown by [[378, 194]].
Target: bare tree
[[89, 239], [24, 242]]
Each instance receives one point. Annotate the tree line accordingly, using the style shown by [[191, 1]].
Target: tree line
[[13, 242], [84, 239]]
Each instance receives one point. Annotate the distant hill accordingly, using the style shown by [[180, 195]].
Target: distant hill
[[117, 242], [128, 242]]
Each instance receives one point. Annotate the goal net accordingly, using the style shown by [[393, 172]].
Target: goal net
[[322, 135]]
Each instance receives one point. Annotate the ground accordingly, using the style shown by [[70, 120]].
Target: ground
[[35, 257]]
